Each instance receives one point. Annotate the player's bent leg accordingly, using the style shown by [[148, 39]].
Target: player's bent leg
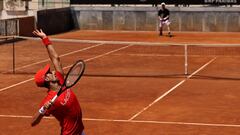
[[169, 31], [160, 28]]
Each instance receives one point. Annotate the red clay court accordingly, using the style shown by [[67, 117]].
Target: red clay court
[[131, 85]]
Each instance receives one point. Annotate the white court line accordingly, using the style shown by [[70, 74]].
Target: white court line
[[98, 56], [166, 55], [201, 68], [172, 89], [136, 121], [150, 55], [165, 122], [80, 50], [109, 52], [16, 84], [23, 116]]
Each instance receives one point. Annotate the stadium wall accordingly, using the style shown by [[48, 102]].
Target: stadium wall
[[54, 21], [204, 19]]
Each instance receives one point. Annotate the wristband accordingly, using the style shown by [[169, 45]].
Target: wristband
[[46, 41], [41, 110]]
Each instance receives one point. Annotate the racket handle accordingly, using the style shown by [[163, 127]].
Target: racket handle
[[53, 99], [42, 110]]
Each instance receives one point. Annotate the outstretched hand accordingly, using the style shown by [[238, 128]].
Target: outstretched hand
[[39, 33]]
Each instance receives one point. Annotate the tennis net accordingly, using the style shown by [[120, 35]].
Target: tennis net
[[127, 59]]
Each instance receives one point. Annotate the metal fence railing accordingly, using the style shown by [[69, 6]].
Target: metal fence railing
[[48, 4], [9, 27], [23, 5]]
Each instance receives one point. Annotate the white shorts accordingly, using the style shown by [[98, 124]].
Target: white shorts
[[165, 22]]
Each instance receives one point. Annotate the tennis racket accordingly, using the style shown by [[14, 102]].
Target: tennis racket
[[72, 77]]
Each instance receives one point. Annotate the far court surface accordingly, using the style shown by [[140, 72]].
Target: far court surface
[[132, 84]]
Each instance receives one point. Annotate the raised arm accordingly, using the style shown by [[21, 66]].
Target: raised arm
[[51, 51]]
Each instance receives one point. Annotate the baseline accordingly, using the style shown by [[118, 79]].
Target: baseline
[[136, 121]]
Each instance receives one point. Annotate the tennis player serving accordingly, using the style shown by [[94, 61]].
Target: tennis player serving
[[65, 106]]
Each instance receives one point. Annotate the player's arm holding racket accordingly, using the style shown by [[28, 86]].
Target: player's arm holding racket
[[160, 18], [38, 116], [160, 15]]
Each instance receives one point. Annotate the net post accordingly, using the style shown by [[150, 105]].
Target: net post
[[17, 27], [6, 31], [13, 44], [186, 59], [13, 57]]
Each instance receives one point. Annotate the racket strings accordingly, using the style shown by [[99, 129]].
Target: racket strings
[[74, 74]]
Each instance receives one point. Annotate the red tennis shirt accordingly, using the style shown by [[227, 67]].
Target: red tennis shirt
[[67, 111]]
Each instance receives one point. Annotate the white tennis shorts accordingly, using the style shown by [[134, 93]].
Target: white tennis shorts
[[165, 22]]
